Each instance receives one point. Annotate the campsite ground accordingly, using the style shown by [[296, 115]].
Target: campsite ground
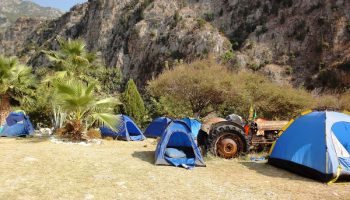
[[39, 169]]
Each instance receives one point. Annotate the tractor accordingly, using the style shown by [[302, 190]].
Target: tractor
[[229, 138]]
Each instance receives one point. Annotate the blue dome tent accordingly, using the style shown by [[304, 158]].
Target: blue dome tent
[[17, 125], [177, 147], [126, 130], [317, 145], [194, 125], [157, 127]]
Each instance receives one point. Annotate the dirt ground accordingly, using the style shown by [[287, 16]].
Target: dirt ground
[[39, 169]]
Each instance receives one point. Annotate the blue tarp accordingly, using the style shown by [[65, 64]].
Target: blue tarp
[[308, 143], [194, 125], [157, 127], [178, 135], [126, 130], [17, 124]]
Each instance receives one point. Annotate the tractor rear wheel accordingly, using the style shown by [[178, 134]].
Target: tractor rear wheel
[[228, 141], [202, 142]]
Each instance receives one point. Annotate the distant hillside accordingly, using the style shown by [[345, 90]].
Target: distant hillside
[[11, 10], [304, 43]]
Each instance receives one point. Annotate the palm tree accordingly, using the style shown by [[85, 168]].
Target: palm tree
[[16, 82], [72, 60], [83, 108]]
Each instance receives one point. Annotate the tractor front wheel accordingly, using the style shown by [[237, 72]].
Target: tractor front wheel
[[228, 141]]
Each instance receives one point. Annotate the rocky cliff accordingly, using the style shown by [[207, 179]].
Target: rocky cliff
[[11, 10], [306, 43]]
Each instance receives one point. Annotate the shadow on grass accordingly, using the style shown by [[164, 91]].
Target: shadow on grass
[[146, 156], [271, 171]]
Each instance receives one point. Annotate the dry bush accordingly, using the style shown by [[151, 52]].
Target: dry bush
[[108, 138], [61, 132], [270, 100], [73, 130], [197, 86], [204, 86], [327, 101], [344, 101], [93, 134]]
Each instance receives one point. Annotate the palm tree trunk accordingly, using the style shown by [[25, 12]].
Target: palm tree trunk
[[5, 107]]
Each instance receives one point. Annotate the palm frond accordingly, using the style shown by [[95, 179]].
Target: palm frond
[[109, 120]]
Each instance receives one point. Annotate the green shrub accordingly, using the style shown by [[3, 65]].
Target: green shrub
[[254, 66], [201, 22], [133, 104], [261, 30], [348, 26], [228, 56], [209, 17], [300, 30]]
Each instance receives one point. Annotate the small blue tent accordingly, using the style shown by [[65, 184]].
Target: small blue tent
[[157, 127], [194, 125], [177, 137], [17, 125], [316, 145], [126, 130]]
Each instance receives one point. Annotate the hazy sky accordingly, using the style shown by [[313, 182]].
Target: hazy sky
[[63, 5]]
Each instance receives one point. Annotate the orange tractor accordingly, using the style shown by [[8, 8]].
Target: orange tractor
[[229, 138]]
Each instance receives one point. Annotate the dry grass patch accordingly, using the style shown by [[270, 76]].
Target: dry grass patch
[[125, 170]]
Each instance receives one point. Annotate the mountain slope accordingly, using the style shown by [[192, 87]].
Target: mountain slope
[[11, 10], [306, 43]]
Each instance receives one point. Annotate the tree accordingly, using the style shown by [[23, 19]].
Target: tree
[[73, 60], [205, 86], [82, 107], [16, 82], [198, 86], [133, 104]]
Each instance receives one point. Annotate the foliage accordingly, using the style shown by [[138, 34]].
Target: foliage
[[228, 57], [109, 79], [348, 26], [93, 134], [166, 106], [344, 101], [327, 101], [204, 86], [261, 30], [40, 111], [300, 30], [198, 86], [72, 60], [133, 104], [83, 108], [16, 80], [201, 22], [209, 16]]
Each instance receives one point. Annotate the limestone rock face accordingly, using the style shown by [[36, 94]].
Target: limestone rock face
[[306, 43], [14, 38], [140, 37]]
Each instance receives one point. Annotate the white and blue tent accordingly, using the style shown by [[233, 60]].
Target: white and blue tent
[[126, 130], [316, 145], [177, 147]]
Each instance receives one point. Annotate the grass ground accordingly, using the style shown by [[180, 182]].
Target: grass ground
[[39, 169]]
